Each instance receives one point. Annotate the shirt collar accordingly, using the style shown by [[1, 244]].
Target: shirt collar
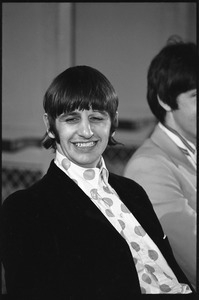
[[74, 171], [180, 140]]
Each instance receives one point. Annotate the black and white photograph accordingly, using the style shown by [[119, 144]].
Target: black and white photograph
[[99, 154]]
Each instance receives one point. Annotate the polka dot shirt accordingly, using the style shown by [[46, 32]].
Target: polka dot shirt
[[155, 276]]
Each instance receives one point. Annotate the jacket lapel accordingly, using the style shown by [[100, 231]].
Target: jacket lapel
[[139, 205], [70, 201]]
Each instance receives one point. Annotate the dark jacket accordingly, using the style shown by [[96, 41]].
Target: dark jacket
[[56, 242]]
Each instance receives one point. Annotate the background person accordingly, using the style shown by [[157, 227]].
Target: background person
[[165, 165], [82, 232]]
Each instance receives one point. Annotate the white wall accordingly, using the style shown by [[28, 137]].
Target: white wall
[[36, 46], [120, 39]]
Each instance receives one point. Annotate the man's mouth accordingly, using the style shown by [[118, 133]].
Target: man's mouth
[[85, 144]]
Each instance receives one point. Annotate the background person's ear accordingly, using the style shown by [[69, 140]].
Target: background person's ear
[[163, 105], [46, 122]]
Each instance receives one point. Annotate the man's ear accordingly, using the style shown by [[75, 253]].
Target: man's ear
[[164, 105], [46, 122]]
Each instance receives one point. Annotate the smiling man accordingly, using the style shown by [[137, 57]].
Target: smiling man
[[82, 232]]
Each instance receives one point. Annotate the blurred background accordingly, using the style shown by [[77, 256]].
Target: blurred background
[[40, 40]]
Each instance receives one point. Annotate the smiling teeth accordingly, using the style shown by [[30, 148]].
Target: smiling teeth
[[90, 144]]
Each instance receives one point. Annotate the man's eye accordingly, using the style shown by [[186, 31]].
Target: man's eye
[[71, 120], [96, 118]]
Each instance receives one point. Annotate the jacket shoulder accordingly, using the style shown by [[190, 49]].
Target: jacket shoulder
[[26, 201]]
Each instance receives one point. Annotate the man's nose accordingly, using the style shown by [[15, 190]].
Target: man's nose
[[85, 129]]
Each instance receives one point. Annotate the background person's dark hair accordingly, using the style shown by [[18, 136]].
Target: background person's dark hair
[[79, 87], [171, 72]]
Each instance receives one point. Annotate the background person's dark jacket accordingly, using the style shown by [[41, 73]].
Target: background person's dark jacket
[[56, 242]]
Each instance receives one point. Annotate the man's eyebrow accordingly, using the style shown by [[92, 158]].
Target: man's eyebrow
[[103, 112]]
